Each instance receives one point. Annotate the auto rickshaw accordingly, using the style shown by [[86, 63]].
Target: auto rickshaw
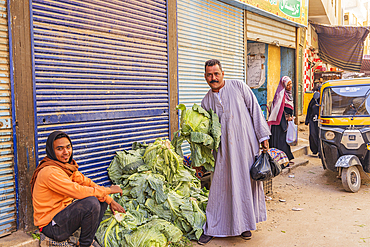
[[344, 130]]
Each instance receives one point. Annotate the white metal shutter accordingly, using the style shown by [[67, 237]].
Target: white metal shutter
[[8, 204], [207, 29], [101, 76], [266, 30]]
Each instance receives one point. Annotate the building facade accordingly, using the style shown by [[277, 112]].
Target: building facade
[[104, 72], [110, 73], [328, 12], [256, 41]]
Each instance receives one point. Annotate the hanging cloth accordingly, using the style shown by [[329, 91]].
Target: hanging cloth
[[342, 46]]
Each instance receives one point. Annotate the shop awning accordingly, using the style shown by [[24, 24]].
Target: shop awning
[[342, 46]]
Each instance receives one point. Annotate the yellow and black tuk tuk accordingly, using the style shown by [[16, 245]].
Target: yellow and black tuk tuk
[[344, 124]]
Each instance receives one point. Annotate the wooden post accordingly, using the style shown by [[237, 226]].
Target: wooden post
[[24, 107], [172, 65]]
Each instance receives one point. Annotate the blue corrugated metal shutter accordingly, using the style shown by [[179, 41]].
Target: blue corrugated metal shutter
[[207, 29], [8, 204], [100, 76]]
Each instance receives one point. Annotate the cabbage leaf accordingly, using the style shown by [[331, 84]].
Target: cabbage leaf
[[202, 130]]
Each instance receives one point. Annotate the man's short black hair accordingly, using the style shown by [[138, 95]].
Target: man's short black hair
[[212, 62]]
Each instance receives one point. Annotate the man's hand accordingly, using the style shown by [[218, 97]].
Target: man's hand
[[265, 145], [116, 207], [115, 189]]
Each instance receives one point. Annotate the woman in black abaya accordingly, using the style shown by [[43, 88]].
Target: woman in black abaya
[[281, 112]]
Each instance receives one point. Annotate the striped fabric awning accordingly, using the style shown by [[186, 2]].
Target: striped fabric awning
[[342, 46]]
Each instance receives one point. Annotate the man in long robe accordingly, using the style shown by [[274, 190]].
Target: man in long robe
[[236, 202]]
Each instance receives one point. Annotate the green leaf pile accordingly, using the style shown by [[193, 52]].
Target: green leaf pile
[[202, 130], [162, 198]]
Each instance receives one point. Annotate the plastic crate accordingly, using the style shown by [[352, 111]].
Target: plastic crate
[[267, 187]]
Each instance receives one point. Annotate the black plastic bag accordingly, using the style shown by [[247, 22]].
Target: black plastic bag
[[264, 168]]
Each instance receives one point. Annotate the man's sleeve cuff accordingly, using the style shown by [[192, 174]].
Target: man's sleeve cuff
[[264, 139]]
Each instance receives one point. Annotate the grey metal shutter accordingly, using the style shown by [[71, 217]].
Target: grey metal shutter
[[207, 29], [266, 30], [8, 203], [100, 76]]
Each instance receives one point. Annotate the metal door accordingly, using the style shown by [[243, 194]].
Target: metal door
[[8, 184], [207, 29], [101, 76], [266, 30]]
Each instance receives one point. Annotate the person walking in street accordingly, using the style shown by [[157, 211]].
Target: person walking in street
[[55, 185], [281, 112], [236, 202], [312, 119]]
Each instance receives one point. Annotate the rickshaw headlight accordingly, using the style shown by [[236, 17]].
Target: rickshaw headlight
[[329, 135]]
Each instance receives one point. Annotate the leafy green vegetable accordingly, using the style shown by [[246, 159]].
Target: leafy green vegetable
[[162, 198], [35, 235], [162, 158], [184, 242], [156, 233], [125, 162], [111, 231], [202, 130]]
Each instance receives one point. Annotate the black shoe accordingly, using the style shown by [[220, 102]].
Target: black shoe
[[204, 239], [246, 235]]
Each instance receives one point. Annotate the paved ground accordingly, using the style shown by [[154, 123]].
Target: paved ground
[[328, 216], [21, 239]]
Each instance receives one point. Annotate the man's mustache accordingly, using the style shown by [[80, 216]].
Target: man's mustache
[[214, 81]]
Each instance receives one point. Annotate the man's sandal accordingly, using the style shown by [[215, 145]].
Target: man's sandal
[[204, 239], [246, 235]]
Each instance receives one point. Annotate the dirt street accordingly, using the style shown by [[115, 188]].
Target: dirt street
[[329, 215]]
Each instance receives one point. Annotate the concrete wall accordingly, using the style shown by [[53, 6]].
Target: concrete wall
[[325, 11], [332, 11]]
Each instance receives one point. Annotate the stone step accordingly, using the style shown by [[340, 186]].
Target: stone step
[[19, 239], [299, 151]]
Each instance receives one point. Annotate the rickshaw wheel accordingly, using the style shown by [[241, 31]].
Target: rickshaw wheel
[[351, 179]]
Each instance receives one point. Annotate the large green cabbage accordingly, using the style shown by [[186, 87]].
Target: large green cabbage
[[202, 130]]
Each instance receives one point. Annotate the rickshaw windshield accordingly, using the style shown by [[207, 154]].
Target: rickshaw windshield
[[346, 101]]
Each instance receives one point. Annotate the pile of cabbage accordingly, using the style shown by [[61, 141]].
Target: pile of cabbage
[[163, 199]]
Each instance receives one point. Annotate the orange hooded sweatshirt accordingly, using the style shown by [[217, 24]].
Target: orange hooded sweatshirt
[[54, 190]]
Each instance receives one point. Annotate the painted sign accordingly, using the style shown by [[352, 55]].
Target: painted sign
[[292, 10]]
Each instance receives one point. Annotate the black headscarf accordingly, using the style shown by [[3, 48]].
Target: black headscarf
[[50, 147]]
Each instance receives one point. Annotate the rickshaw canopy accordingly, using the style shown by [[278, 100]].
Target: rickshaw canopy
[[345, 102]]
